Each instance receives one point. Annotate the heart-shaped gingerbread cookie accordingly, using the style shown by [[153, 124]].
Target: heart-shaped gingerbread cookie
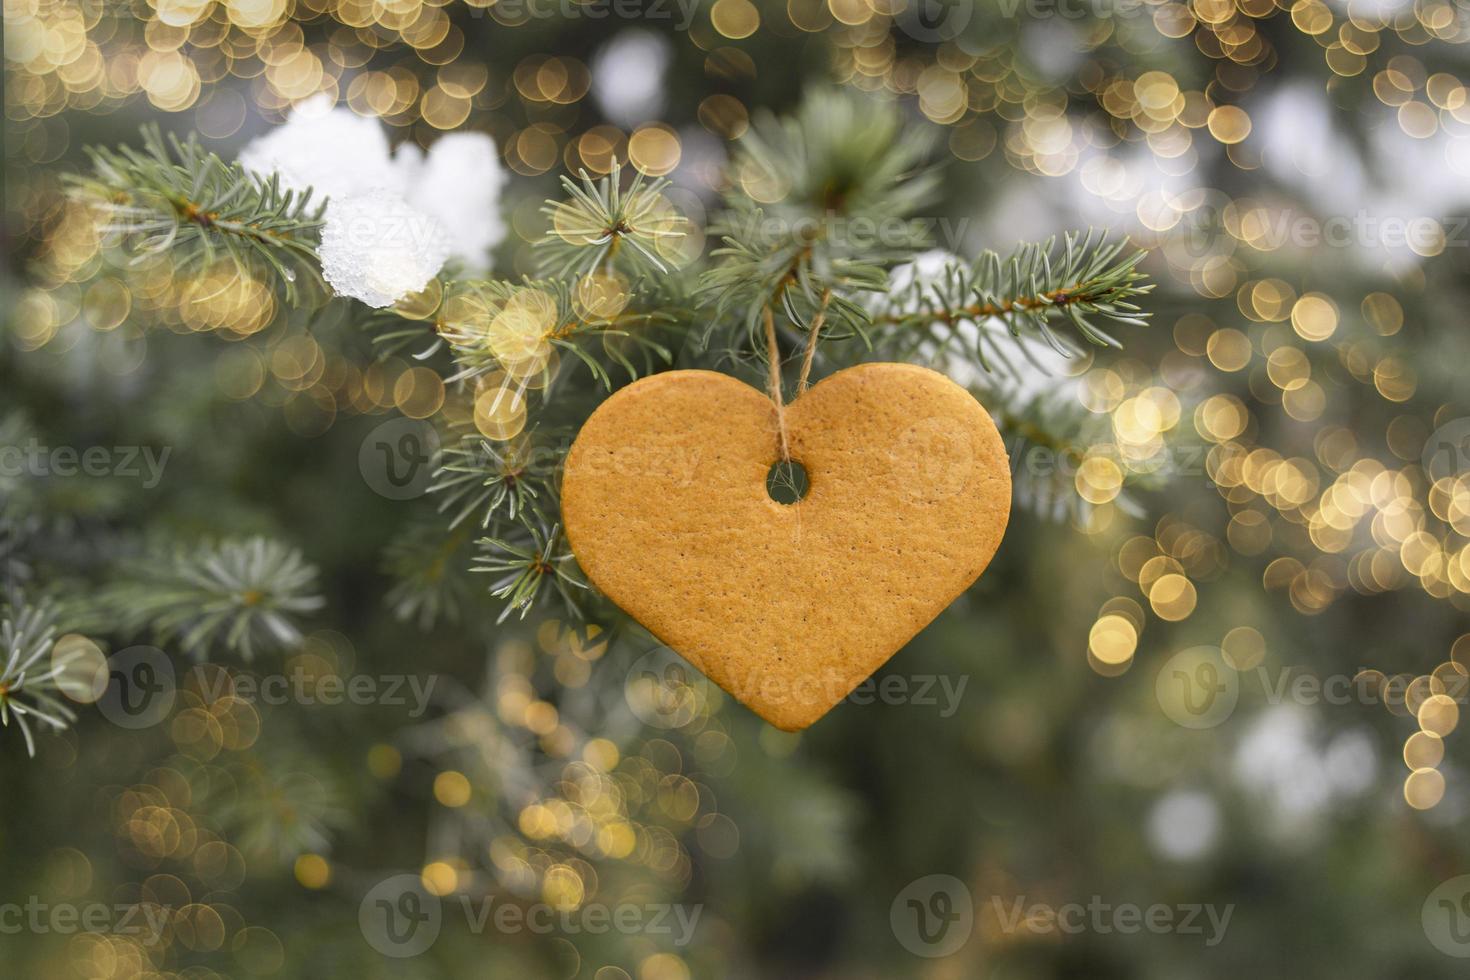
[[787, 606]]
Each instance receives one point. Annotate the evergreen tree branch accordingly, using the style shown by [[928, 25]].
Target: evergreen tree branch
[[30, 678], [604, 227], [497, 482], [173, 197], [429, 572], [818, 209], [1048, 435], [1083, 280], [531, 562], [242, 595]]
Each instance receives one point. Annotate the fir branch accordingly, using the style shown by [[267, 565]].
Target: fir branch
[[841, 153], [818, 209], [531, 563], [506, 482], [631, 331], [174, 197], [29, 684], [753, 272], [485, 320], [276, 804], [845, 177], [1084, 280], [429, 573], [241, 595], [1062, 429], [602, 226]]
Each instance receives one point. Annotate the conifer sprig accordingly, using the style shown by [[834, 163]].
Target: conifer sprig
[[532, 561], [568, 316], [842, 180], [478, 477], [30, 678], [817, 210], [1079, 282], [243, 595], [603, 226], [1063, 432], [431, 580], [174, 197]]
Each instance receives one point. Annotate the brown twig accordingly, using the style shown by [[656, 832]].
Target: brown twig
[[975, 311]]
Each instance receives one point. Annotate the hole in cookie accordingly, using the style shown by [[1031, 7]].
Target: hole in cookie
[[786, 481]]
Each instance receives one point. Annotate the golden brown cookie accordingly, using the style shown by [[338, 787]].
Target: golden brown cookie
[[787, 607]]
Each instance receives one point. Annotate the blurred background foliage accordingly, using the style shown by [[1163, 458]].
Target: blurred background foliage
[[1270, 483]]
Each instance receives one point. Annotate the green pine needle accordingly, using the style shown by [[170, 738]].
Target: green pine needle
[[243, 596], [174, 197], [30, 679]]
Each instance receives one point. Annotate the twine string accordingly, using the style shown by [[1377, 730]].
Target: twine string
[[811, 343], [773, 384], [773, 359]]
